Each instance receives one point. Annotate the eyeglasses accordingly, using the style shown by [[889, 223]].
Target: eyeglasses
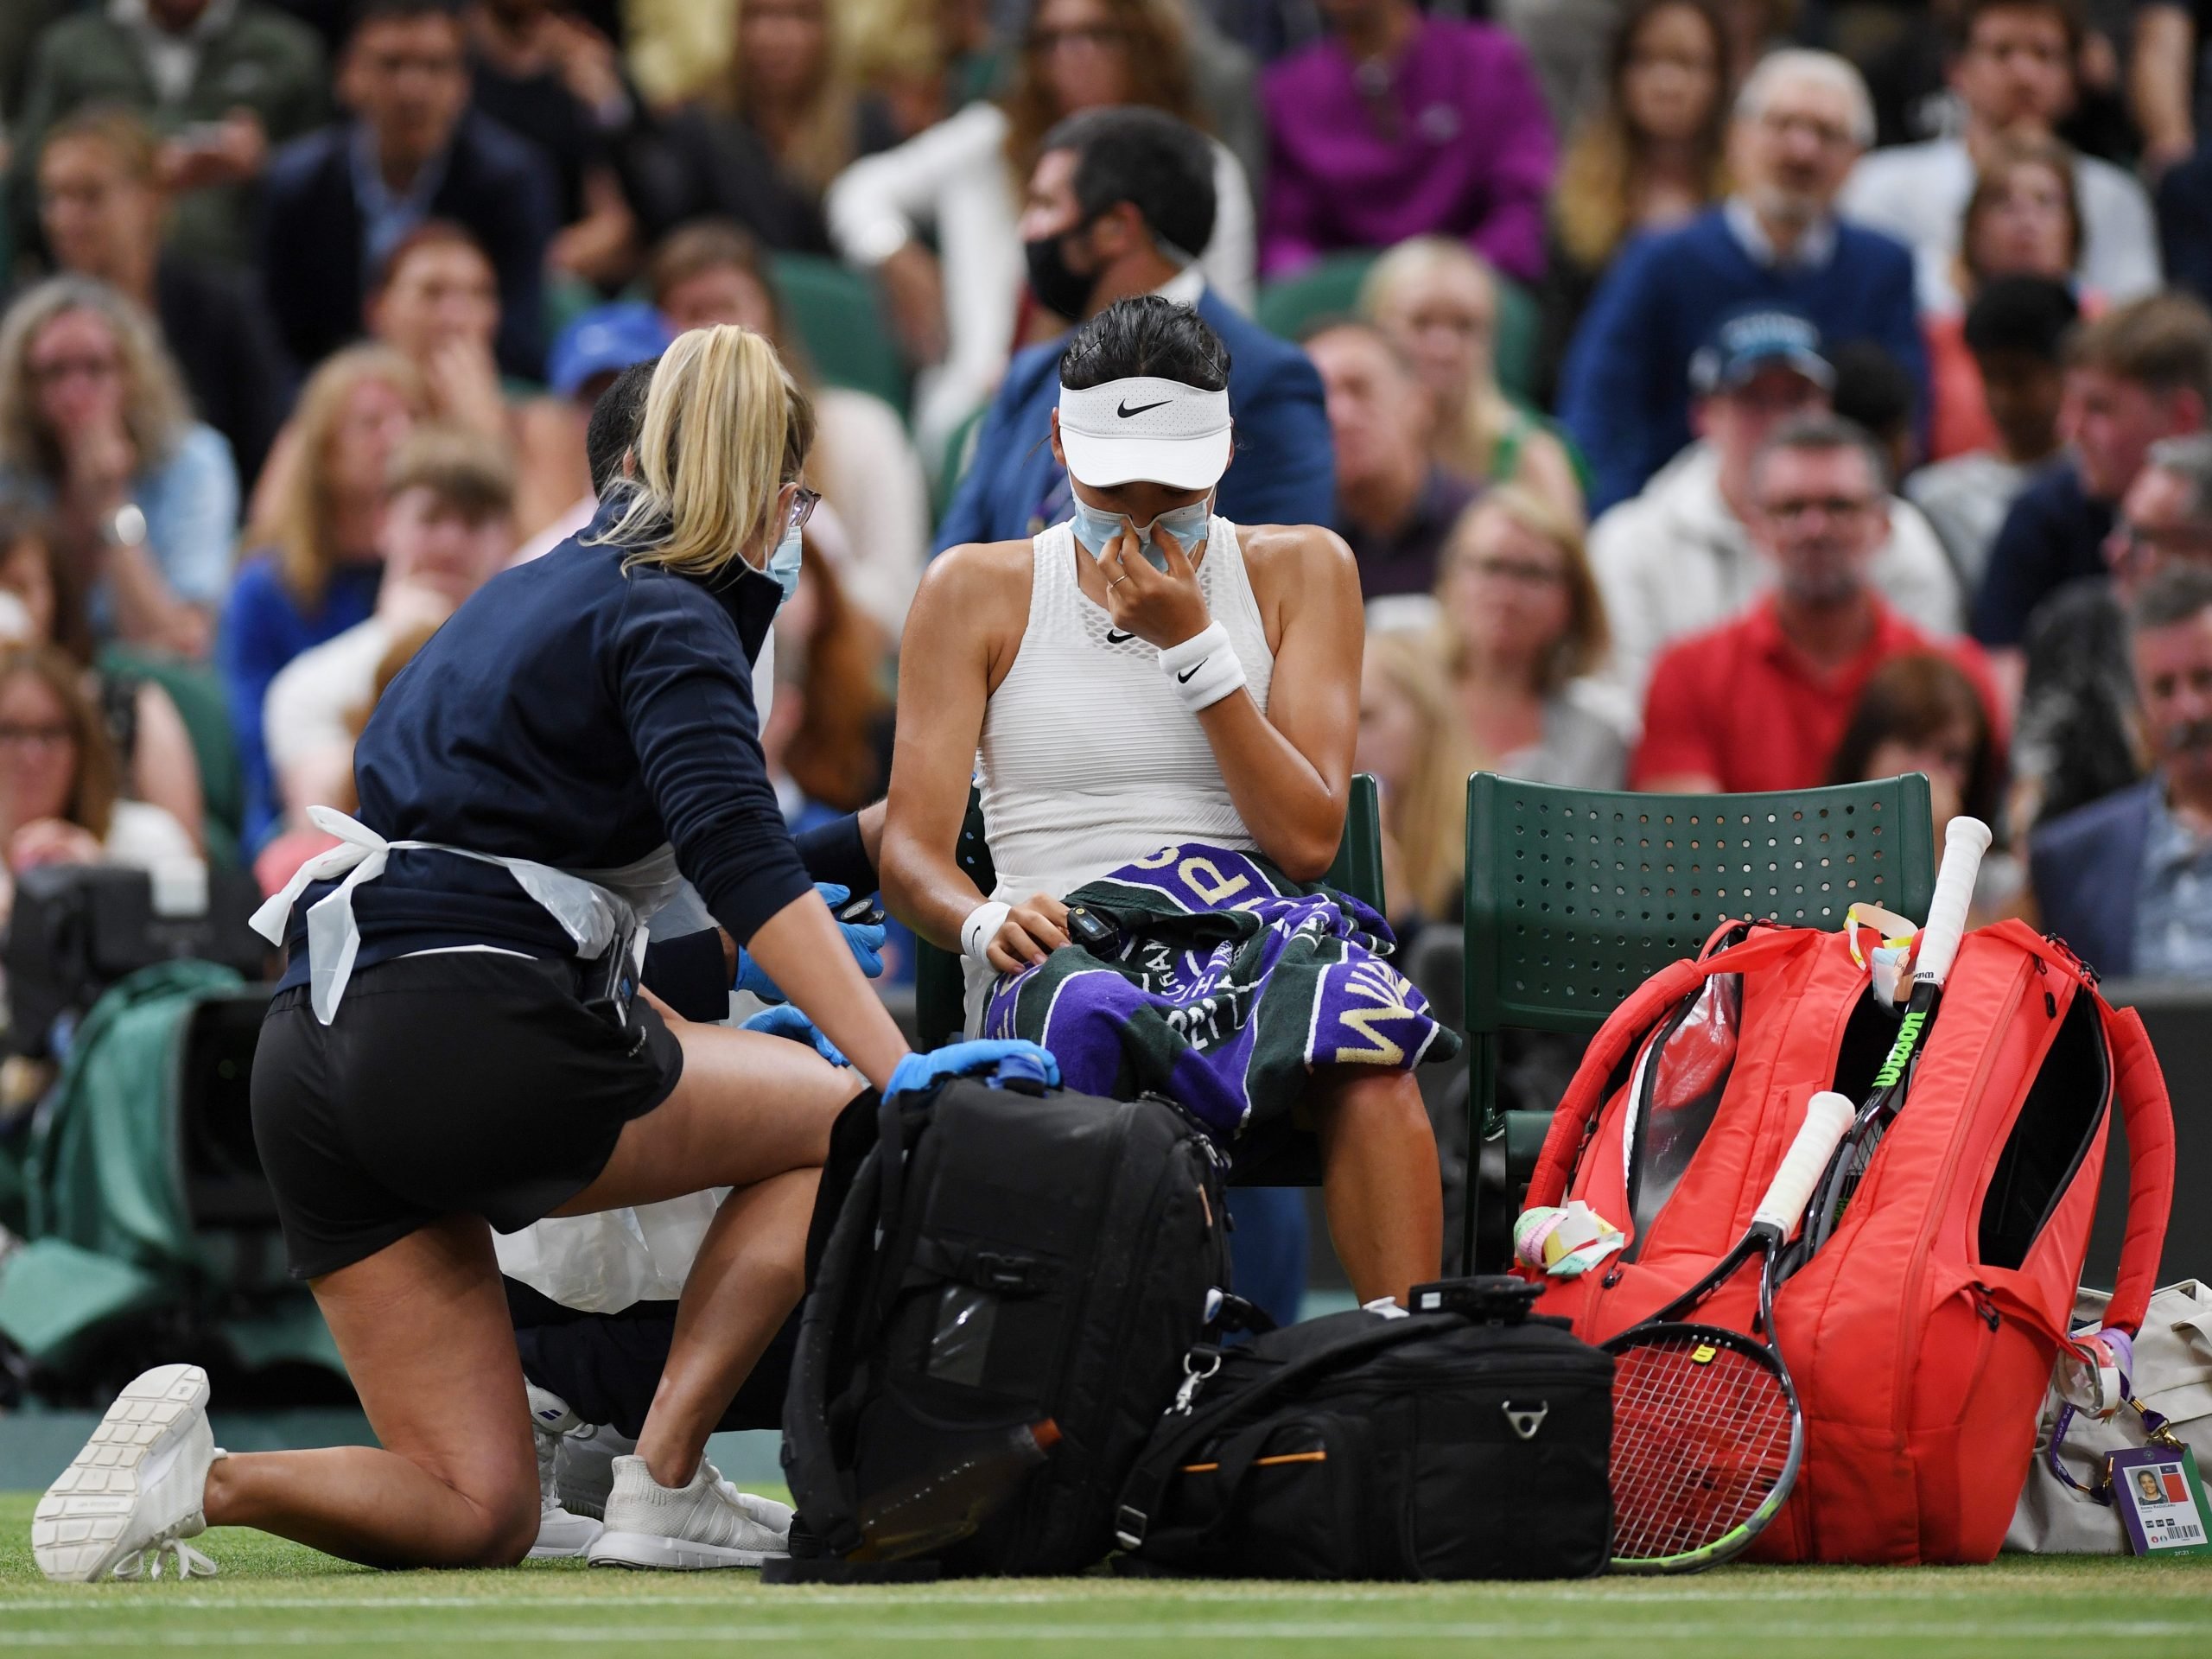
[[804, 502], [55, 370], [24, 737], [2131, 538], [1091, 37], [1522, 573], [1832, 506]]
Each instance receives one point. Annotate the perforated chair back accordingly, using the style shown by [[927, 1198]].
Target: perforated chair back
[[838, 319], [940, 985], [1575, 897]]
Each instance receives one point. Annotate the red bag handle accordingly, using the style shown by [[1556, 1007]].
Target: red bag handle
[[2148, 1111], [1627, 1027]]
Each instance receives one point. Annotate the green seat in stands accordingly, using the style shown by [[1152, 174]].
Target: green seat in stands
[[836, 313], [1575, 897], [1330, 289], [1279, 1154], [198, 694]]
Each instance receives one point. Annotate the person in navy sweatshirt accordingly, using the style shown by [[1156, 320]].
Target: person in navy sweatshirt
[[1802, 120], [460, 1044]]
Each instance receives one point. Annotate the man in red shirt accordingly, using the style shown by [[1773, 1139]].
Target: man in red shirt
[[1762, 701]]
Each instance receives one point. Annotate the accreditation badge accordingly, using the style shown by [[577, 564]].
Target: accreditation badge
[[2161, 1501]]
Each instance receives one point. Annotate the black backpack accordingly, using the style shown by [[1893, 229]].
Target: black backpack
[[1438, 1445], [1001, 1315]]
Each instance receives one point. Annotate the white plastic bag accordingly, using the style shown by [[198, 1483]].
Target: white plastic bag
[[602, 1263], [2173, 1376]]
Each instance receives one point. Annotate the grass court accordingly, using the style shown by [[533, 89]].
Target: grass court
[[274, 1597]]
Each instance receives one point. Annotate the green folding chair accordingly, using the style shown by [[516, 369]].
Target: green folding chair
[[835, 314], [1291, 1157], [1576, 896]]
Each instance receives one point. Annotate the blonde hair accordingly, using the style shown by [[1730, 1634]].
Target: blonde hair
[[726, 428], [1591, 203], [1470, 442], [822, 143], [1427, 814], [1582, 649], [155, 411], [300, 517]]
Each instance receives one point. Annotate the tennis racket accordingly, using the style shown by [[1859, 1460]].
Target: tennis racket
[[1964, 843], [1707, 1433]]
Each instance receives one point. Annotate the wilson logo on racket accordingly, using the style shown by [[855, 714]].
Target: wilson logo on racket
[[1901, 1051], [1703, 1354]]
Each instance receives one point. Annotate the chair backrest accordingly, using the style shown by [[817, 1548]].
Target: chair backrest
[[1576, 896], [938, 982], [198, 694], [1330, 289], [835, 314]]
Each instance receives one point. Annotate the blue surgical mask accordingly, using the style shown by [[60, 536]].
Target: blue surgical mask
[[784, 562], [1095, 529]]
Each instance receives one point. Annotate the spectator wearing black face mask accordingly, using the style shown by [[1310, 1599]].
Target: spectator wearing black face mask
[[1118, 199]]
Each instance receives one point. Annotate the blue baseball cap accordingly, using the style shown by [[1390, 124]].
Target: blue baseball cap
[[1745, 342], [606, 339]]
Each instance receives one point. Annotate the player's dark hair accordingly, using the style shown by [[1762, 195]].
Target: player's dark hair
[[1149, 336], [616, 420], [2029, 315], [1147, 158]]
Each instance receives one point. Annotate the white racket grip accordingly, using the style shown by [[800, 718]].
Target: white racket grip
[[1827, 1117], [1964, 843]]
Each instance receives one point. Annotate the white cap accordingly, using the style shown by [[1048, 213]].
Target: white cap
[[1160, 431]]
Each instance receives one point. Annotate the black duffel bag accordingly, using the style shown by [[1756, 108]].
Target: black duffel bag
[[1001, 1313], [1449, 1445]]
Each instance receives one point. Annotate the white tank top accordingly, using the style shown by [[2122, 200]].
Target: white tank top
[[1089, 759]]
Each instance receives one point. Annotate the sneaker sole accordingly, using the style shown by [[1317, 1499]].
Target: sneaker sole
[[646, 1551], [77, 1531], [573, 1536]]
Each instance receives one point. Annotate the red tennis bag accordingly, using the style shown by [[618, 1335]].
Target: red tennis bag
[[1921, 1336]]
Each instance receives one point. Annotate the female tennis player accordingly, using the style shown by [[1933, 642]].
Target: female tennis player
[[1165, 705], [457, 1047]]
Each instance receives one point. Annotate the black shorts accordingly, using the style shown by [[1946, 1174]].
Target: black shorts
[[455, 1084]]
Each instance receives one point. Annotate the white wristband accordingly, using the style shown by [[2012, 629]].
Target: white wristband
[[982, 927], [1204, 667]]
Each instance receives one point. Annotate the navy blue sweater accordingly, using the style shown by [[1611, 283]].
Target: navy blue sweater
[[579, 715], [1625, 392]]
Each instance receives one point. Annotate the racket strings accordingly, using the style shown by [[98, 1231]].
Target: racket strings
[[1701, 1436]]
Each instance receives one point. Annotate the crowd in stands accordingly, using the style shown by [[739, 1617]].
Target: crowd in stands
[[1715, 394]]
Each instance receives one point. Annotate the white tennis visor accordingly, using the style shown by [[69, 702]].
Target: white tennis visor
[[1159, 431]]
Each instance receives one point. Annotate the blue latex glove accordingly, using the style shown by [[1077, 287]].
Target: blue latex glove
[[787, 1021], [921, 1072], [863, 939]]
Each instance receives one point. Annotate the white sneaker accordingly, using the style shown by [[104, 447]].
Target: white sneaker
[[706, 1524], [135, 1493], [561, 1535], [585, 1472]]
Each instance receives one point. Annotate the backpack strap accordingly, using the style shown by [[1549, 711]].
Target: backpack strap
[[826, 1491], [2148, 1113], [1626, 1027], [1181, 1428]]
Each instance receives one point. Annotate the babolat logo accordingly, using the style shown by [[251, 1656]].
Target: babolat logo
[[1900, 1051]]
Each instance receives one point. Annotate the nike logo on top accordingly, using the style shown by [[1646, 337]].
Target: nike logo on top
[[1115, 639], [1184, 679], [1125, 411]]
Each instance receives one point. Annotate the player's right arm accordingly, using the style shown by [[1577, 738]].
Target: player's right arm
[[962, 634]]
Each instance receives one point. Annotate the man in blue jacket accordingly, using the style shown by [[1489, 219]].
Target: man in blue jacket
[[1119, 200], [1802, 120], [2126, 881]]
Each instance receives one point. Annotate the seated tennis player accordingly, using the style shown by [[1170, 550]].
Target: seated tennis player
[[1165, 705]]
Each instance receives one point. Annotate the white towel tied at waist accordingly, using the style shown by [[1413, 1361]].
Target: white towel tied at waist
[[593, 917]]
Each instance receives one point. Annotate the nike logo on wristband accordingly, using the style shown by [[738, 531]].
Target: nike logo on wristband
[[1184, 679], [1123, 409], [1114, 638]]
